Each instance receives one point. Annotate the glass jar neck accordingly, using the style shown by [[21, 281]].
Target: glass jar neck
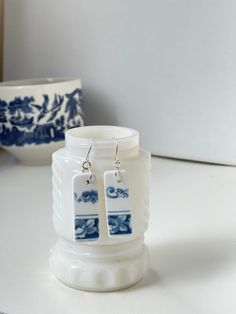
[[103, 141]]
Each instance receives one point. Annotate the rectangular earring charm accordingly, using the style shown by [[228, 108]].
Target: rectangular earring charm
[[86, 208], [117, 200]]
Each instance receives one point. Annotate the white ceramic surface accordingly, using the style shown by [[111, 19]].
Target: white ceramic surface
[[108, 263], [34, 115]]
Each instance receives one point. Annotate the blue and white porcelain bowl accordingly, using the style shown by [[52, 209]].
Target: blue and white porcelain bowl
[[34, 115]]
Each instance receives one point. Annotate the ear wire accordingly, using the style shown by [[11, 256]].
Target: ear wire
[[116, 162], [87, 166]]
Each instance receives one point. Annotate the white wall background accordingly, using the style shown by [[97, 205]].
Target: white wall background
[[164, 67]]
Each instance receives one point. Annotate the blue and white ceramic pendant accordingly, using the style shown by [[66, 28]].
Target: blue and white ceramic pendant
[[117, 199], [86, 208]]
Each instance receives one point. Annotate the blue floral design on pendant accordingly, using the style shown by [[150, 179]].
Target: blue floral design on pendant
[[120, 224], [87, 197], [113, 192], [86, 228]]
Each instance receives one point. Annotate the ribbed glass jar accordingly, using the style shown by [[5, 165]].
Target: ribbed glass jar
[[108, 263]]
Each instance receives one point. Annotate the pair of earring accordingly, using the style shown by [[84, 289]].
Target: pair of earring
[[87, 201]]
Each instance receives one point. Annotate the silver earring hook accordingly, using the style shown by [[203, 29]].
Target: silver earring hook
[[87, 166], [116, 162], [87, 157]]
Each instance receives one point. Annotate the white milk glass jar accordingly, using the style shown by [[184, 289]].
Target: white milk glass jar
[[109, 263]]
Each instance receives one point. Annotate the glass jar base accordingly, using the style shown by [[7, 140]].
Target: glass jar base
[[99, 269]]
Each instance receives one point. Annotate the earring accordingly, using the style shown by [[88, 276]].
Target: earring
[[86, 203], [117, 199]]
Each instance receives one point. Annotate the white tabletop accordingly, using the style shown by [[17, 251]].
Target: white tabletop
[[192, 242]]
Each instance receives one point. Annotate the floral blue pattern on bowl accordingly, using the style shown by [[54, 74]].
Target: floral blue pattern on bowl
[[24, 121]]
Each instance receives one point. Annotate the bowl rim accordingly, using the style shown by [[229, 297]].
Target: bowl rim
[[37, 82]]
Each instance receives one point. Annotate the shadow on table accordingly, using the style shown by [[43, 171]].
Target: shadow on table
[[188, 261], [7, 160], [192, 259]]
